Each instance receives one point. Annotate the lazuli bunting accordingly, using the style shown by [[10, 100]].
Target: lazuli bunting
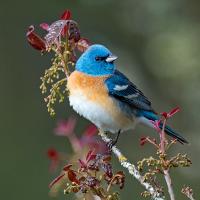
[[106, 97]]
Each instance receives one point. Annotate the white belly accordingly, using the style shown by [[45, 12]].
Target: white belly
[[95, 113]]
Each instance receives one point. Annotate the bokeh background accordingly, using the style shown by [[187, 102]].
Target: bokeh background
[[158, 46]]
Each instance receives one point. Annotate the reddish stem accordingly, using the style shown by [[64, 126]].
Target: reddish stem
[[162, 137]]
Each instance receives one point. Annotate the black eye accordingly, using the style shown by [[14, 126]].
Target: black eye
[[101, 58], [98, 58]]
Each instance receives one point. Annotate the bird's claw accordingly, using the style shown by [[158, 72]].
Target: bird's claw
[[110, 145]]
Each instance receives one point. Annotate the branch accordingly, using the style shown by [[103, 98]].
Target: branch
[[169, 184], [132, 169]]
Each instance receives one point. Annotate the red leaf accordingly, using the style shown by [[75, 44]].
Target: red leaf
[[173, 111], [64, 31], [90, 131], [107, 168], [120, 173], [56, 180], [66, 15], [83, 44], [72, 176], [34, 40], [54, 31], [90, 156], [53, 154], [107, 158], [82, 163], [67, 167], [143, 141], [44, 26], [73, 31], [156, 124], [120, 179], [164, 114], [65, 127]]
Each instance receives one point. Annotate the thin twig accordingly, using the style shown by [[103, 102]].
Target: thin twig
[[166, 171], [64, 61], [132, 169], [162, 137], [188, 192]]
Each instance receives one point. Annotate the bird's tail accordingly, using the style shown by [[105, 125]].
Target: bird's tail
[[174, 134], [152, 116]]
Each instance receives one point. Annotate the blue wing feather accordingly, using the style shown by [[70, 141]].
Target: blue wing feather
[[128, 93]]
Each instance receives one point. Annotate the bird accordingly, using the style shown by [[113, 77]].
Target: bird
[[99, 92]]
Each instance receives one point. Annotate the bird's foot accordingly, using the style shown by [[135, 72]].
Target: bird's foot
[[112, 143]]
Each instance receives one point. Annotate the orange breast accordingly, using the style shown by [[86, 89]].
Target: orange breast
[[94, 89]]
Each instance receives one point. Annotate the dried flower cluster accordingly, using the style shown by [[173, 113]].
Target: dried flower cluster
[[63, 39], [161, 164], [188, 192]]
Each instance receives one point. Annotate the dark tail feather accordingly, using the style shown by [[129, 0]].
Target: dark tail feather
[[152, 116], [174, 134]]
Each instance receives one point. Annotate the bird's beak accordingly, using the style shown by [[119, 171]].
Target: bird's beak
[[111, 58]]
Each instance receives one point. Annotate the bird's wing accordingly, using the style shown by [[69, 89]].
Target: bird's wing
[[121, 88]]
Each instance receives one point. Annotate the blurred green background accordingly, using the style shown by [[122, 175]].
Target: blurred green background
[[158, 46]]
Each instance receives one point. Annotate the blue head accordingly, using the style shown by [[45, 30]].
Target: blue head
[[97, 60]]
